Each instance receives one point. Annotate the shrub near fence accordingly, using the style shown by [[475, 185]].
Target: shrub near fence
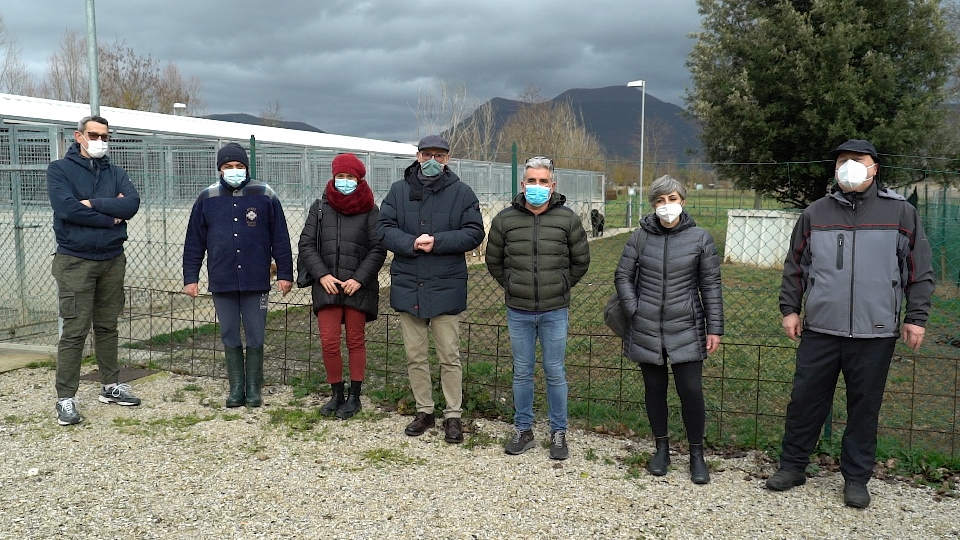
[[747, 382]]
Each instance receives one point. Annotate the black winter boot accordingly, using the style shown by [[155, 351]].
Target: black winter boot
[[235, 376], [699, 473], [254, 376], [661, 459], [336, 400], [352, 405]]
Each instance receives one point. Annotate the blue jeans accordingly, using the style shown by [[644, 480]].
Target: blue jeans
[[551, 329]]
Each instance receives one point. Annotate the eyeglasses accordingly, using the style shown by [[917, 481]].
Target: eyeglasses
[[94, 136], [539, 162], [430, 155]]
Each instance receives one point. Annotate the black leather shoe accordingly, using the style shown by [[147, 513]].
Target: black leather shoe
[[421, 423], [452, 431], [855, 494]]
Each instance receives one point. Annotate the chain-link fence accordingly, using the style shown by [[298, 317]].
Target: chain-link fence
[[747, 382], [169, 172]]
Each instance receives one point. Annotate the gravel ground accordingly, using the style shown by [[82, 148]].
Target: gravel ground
[[180, 466]]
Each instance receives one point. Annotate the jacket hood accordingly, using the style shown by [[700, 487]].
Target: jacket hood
[[556, 199], [651, 223], [447, 177]]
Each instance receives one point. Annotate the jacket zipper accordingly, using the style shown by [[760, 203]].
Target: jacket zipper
[[853, 261], [663, 293], [337, 259], [536, 263]]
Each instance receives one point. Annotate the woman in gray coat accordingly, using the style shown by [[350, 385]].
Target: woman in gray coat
[[668, 281]]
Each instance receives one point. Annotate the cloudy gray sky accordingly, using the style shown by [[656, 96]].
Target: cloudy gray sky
[[355, 67]]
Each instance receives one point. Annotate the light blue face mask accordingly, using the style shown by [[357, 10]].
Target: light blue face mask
[[431, 167], [234, 177], [536, 195], [345, 185]]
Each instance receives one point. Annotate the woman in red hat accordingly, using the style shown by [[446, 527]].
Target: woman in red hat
[[339, 248]]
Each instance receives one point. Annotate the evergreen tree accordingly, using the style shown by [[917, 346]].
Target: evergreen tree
[[780, 81]]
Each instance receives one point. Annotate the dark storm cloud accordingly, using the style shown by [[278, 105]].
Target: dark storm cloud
[[355, 68]]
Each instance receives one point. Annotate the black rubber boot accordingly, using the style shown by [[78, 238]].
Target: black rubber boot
[[661, 459], [336, 400], [699, 473], [254, 370], [235, 376], [352, 405]]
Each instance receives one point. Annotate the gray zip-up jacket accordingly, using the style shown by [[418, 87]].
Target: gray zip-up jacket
[[855, 257]]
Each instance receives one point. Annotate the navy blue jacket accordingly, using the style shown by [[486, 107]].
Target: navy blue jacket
[[240, 230], [435, 283], [90, 233]]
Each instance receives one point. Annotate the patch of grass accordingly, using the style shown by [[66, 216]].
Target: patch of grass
[[480, 439], [636, 464], [295, 420], [192, 388], [180, 422], [178, 337], [383, 457], [591, 455], [126, 422], [306, 385], [177, 396], [230, 417], [48, 364]]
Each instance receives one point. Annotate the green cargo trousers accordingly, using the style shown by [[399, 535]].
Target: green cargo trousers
[[88, 292]]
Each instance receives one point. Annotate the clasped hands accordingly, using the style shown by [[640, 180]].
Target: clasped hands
[[424, 243], [331, 284]]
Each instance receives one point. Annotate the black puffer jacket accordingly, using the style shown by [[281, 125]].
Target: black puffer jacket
[[537, 259], [349, 248], [429, 284], [677, 299]]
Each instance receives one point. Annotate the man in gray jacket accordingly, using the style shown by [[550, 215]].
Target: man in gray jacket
[[537, 250], [855, 254]]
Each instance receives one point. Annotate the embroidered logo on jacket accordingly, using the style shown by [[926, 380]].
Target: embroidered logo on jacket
[[251, 217]]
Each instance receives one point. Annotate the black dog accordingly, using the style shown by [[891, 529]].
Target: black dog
[[596, 222]]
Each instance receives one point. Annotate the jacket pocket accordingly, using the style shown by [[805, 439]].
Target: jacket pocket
[[839, 252], [67, 305]]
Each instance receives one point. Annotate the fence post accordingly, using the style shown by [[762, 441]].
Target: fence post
[[513, 169], [253, 157]]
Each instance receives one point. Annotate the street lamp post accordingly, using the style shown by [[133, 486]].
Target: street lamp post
[[643, 105]]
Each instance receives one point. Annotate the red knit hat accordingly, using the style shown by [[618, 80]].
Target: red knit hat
[[348, 163]]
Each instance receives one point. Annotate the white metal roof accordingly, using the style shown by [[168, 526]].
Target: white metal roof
[[31, 110]]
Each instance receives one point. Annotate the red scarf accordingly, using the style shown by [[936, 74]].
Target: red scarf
[[358, 202]]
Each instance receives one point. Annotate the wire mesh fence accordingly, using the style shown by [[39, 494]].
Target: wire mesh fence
[[747, 382]]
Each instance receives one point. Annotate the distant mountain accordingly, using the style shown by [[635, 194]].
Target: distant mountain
[[612, 115], [243, 118]]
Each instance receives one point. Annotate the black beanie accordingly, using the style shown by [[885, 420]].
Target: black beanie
[[232, 152]]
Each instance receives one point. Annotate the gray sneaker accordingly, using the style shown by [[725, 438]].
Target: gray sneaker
[[520, 442], [67, 413], [558, 444], [119, 394]]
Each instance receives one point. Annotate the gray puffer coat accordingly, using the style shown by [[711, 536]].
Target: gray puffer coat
[[676, 301]]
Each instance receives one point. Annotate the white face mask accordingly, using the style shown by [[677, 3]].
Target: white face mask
[[669, 212], [852, 174], [96, 149]]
